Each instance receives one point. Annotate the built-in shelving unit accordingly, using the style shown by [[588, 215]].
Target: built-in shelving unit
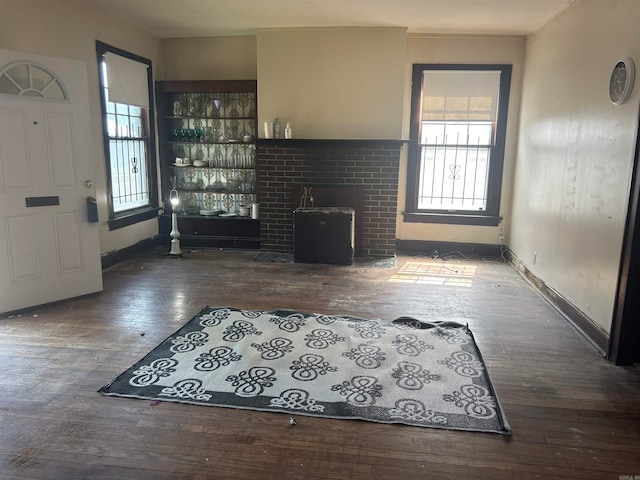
[[207, 132]]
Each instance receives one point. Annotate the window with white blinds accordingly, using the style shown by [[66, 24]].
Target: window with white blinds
[[128, 135], [458, 127]]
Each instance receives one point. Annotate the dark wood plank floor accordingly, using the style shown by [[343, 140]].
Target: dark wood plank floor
[[573, 414]]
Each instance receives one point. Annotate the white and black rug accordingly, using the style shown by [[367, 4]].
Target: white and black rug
[[401, 371]]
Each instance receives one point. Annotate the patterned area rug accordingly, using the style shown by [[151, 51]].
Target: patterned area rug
[[403, 371]]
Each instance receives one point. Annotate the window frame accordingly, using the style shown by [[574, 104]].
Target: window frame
[[147, 212], [490, 216]]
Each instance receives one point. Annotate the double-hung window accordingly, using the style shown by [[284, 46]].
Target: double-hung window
[[129, 140], [458, 130]]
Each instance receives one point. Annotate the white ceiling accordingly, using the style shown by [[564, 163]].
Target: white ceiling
[[210, 18]]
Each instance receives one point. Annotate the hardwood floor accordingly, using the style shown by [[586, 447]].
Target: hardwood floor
[[573, 414]]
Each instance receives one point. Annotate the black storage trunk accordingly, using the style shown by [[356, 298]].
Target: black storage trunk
[[324, 235]]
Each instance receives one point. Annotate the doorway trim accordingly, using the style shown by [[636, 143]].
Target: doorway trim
[[624, 341]]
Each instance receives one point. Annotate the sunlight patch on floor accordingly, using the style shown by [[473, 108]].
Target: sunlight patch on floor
[[435, 274]]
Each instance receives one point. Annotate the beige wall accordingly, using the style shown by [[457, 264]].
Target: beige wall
[[333, 82], [69, 29], [351, 83], [219, 58], [576, 154], [447, 49]]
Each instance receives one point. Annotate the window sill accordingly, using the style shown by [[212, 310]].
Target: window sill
[[130, 219], [452, 219]]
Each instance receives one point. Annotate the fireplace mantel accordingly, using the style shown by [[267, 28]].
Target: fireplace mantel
[[329, 142]]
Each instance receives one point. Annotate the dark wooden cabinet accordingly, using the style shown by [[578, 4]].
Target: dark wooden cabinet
[[195, 231], [207, 132]]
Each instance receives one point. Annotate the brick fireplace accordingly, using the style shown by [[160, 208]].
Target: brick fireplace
[[362, 174]]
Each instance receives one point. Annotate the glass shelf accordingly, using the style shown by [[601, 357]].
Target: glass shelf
[[244, 218], [187, 142], [182, 117], [206, 190], [193, 167], [193, 201], [211, 105]]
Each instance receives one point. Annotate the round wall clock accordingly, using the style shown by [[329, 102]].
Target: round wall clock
[[621, 82]]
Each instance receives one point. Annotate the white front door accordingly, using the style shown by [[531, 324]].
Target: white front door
[[48, 249]]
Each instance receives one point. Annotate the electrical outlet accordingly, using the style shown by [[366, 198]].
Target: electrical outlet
[[502, 240]]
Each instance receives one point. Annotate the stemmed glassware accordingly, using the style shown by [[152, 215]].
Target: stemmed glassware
[[216, 128]]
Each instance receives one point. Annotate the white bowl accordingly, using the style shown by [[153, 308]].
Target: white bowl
[[200, 163], [208, 212]]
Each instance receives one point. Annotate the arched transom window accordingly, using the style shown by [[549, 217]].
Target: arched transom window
[[30, 80]]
